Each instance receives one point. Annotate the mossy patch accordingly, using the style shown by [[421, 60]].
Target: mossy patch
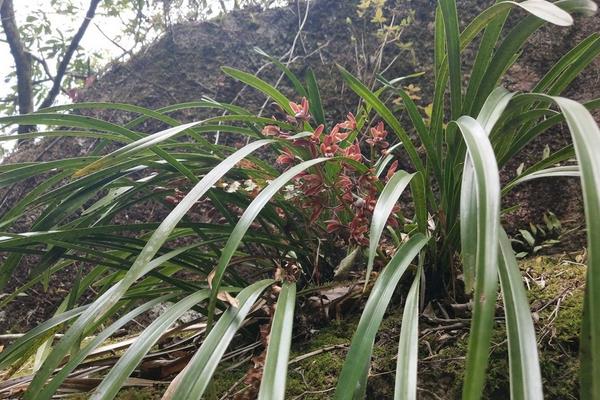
[[555, 290], [554, 287], [145, 393], [315, 377]]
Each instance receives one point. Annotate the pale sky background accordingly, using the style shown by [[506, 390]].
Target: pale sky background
[[93, 40]]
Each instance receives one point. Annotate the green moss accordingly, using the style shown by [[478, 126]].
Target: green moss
[[555, 291], [145, 393], [315, 377], [442, 358], [224, 379]]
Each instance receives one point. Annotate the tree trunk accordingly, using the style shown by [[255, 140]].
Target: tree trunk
[[22, 61]]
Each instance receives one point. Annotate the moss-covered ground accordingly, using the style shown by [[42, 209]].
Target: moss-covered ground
[[555, 290]]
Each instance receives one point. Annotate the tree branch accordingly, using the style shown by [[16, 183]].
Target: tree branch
[[64, 63], [22, 61]]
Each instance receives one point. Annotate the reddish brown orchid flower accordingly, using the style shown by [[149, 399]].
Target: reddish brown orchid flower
[[393, 219], [344, 183], [353, 152], [271, 130], [349, 123], [391, 170], [301, 111], [378, 135], [358, 227], [337, 135], [312, 184], [286, 158], [317, 209], [370, 203], [329, 146], [316, 136], [367, 180], [334, 225]]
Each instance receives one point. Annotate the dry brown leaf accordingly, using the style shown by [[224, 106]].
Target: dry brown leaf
[[223, 296]]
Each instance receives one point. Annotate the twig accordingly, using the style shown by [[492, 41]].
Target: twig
[[229, 391], [314, 392], [125, 51], [64, 63], [290, 52], [317, 352]]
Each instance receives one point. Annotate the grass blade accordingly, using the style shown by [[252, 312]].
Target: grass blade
[[191, 383], [351, 383], [525, 374], [272, 386], [408, 346]]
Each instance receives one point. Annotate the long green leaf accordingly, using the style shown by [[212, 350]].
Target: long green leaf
[[259, 84], [489, 115], [351, 383], [15, 350], [191, 383], [314, 97], [525, 374], [586, 140], [112, 383], [408, 346], [487, 206], [74, 361], [246, 220], [385, 204], [142, 265], [371, 99], [448, 8], [272, 386], [288, 73]]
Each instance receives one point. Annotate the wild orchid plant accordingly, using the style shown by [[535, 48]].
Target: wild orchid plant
[[343, 182]]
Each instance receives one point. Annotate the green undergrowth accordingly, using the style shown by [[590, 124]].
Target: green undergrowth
[[555, 290]]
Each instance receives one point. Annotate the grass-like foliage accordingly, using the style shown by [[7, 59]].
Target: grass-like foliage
[[329, 203]]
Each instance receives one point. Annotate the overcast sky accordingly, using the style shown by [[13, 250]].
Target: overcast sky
[[93, 39]]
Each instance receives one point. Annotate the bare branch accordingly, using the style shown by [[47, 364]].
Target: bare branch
[[44, 65], [64, 63], [22, 61]]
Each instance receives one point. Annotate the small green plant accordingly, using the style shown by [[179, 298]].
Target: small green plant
[[530, 241], [333, 194]]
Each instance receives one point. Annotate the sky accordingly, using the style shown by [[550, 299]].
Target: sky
[[93, 39]]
